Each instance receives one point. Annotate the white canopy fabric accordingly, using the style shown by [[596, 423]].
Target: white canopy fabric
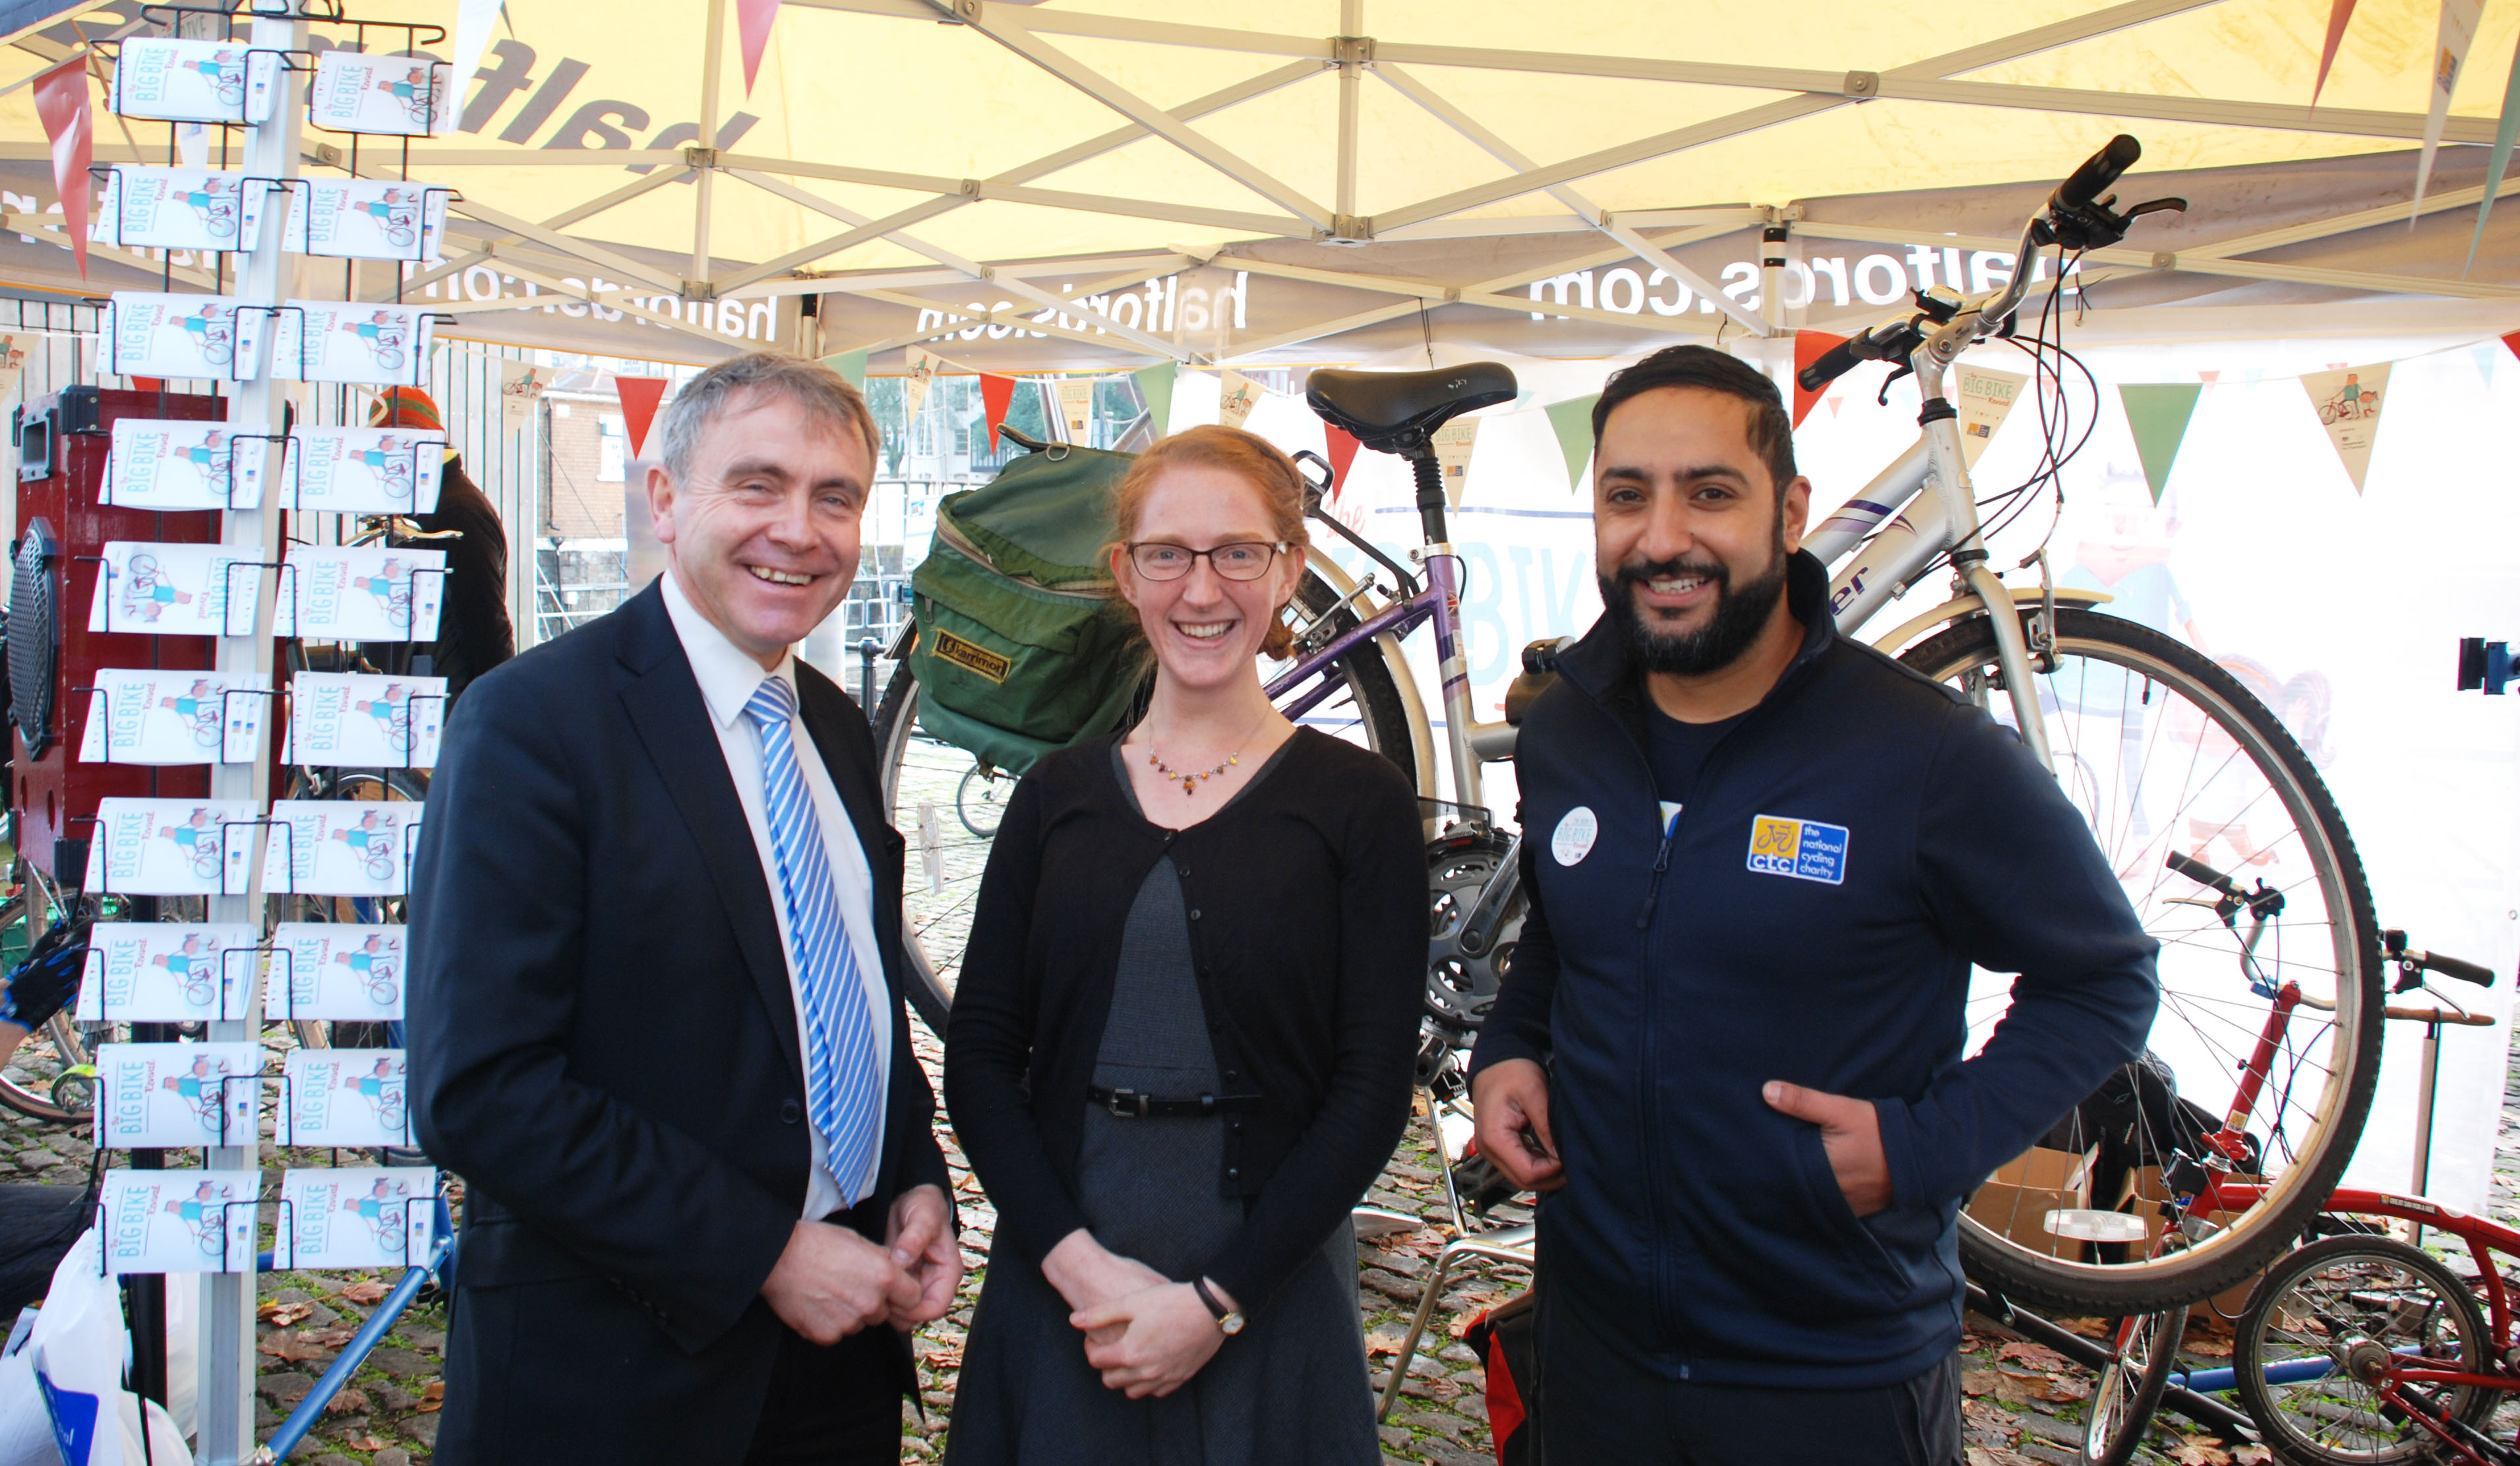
[[1369, 175]]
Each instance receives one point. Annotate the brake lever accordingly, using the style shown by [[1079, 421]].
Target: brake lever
[[1905, 369], [2156, 205]]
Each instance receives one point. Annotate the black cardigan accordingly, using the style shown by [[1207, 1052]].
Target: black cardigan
[[1307, 903]]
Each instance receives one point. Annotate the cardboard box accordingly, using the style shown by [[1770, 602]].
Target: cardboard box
[[2015, 1200]]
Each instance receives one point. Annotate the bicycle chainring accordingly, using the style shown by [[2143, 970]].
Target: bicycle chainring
[[1462, 986]]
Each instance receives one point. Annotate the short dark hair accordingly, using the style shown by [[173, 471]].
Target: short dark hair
[[1772, 429]]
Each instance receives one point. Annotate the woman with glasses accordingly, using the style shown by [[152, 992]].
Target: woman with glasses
[[1182, 1042]]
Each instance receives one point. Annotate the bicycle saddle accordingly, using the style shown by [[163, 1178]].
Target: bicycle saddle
[[1396, 412]]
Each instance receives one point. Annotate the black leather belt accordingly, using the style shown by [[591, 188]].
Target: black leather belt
[[1129, 1104]]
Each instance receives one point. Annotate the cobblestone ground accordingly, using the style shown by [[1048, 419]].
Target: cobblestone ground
[[2024, 1404]]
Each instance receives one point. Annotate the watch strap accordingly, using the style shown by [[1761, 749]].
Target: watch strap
[[1215, 1307]]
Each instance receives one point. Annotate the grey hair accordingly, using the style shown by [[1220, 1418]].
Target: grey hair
[[824, 394]]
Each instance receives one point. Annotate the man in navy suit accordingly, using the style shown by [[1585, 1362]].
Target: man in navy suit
[[655, 1012]]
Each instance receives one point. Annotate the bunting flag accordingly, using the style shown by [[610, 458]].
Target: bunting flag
[[1572, 422], [851, 365], [474, 21], [1985, 400], [1235, 398], [520, 389], [2158, 413], [12, 359], [2340, 14], [639, 399], [1808, 348], [995, 394], [60, 100], [2348, 402], [1452, 444], [2450, 54], [753, 18], [2504, 133], [2513, 342], [1342, 452], [924, 367], [1076, 406], [1155, 389]]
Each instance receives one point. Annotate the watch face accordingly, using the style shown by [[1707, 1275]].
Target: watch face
[[1231, 1323]]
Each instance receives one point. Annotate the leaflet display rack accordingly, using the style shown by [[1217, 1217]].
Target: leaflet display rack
[[230, 848]]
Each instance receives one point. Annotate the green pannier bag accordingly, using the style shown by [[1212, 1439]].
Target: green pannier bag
[[1020, 650]]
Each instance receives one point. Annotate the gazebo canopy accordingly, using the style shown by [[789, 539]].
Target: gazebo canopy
[[1344, 181]]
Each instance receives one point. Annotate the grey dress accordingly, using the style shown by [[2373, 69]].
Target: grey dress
[[1290, 1388]]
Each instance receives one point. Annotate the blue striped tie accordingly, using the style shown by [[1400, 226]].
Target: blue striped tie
[[840, 1040]]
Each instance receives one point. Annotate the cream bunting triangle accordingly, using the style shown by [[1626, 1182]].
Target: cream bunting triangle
[[1235, 398], [924, 367], [1985, 400], [1076, 406], [1453, 444], [2348, 404]]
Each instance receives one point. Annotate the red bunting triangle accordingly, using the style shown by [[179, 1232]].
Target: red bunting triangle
[[1342, 448], [752, 22], [2340, 14], [639, 399], [149, 384], [2512, 342], [995, 394], [62, 102], [1807, 347]]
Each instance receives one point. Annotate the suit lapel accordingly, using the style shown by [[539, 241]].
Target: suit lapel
[[664, 706]]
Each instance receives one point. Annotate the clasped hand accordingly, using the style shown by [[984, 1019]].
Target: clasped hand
[[1147, 1333], [830, 1282]]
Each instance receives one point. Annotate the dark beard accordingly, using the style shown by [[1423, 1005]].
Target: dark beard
[[1740, 614]]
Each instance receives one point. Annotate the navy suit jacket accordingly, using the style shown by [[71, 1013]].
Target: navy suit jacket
[[603, 1047]]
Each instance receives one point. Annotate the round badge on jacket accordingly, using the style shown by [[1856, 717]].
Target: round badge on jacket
[[1575, 835]]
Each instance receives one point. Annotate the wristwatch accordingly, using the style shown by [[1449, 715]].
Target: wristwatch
[[1228, 1322]]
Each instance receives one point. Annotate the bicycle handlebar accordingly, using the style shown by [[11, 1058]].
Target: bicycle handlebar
[[2394, 948], [2097, 173], [2202, 874]]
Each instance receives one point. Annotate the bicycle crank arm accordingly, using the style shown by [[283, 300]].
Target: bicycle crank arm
[[1502, 887]]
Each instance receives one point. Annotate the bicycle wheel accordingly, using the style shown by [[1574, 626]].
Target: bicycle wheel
[[2131, 1386], [2314, 1351], [2182, 762], [50, 1076], [980, 801], [922, 774]]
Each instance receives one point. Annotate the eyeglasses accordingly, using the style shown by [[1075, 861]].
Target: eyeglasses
[[1243, 559]]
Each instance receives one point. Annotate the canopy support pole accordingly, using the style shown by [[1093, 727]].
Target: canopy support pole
[[713, 56]]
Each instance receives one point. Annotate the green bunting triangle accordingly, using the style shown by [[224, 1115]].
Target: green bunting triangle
[[1155, 386], [851, 365], [2159, 413], [1572, 421], [2506, 133]]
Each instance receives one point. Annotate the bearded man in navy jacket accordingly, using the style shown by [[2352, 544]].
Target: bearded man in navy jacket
[[1762, 861]]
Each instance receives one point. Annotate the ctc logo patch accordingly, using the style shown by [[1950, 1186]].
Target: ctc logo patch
[[1803, 848]]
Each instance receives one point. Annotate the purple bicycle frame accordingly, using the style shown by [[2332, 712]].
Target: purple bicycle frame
[[1436, 601]]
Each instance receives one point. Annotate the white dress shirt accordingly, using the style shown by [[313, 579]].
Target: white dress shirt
[[728, 678]]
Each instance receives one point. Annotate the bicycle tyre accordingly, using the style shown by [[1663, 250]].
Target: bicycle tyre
[[933, 929], [58, 1031], [385, 785], [2131, 1386], [2346, 941], [2364, 1266]]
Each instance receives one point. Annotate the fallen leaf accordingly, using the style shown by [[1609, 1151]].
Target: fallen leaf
[[437, 1389], [1979, 1380], [1378, 1343], [2200, 1450], [2036, 1355], [292, 1347], [428, 1406], [283, 1315], [2064, 1389], [365, 1443], [2252, 1455], [365, 1293], [2208, 1345], [349, 1400], [1996, 1455], [2088, 1328]]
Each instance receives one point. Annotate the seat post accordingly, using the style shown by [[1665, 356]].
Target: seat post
[[1430, 494]]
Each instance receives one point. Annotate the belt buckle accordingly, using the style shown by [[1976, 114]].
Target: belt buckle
[[1127, 1104]]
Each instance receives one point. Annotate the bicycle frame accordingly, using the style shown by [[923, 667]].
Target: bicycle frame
[[1438, 601]]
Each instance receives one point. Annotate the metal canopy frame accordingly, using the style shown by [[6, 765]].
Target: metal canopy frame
[[547, 253]]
